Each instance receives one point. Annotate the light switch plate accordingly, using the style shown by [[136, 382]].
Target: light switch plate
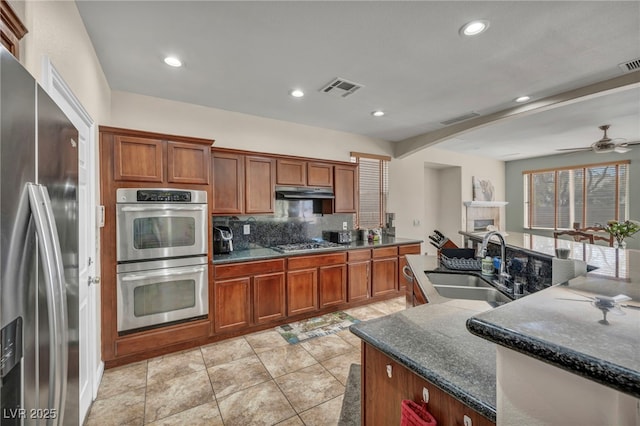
[[344, 226], [246, 229]]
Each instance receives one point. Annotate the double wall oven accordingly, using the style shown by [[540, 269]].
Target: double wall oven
[[161, 245]]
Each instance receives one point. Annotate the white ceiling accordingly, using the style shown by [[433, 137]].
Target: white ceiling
[[246, 56]]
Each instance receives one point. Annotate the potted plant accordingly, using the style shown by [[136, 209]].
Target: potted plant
[[621, 230]]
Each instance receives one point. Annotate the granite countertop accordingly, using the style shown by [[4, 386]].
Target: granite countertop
[[263, 253], [432, 341], [560, 326]]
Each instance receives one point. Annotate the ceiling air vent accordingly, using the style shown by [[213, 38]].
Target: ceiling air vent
[[633, 65], [460, 118], [341, 88]]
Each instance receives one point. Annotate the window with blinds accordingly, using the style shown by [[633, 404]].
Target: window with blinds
[[573, 197], [373, 189]]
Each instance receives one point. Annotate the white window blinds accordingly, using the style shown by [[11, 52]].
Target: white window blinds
[[373, 189]]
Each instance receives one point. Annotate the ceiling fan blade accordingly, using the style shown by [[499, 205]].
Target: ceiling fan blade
[[574, 149], [621, 149]]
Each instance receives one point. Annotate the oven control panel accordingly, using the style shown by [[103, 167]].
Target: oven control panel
[[154, 195]]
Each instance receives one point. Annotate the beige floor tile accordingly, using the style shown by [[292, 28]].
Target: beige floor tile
[[366, 312], [350, 338], [125, 408], [121, 379], [309, 387], [203, 415], [391, 306], [326, 414], [285, 359], [173, 365], [237, 375], [339, 366], [266, 340], [165, 398], [226, 351], [326, 347], [263, 404], [293, 421]]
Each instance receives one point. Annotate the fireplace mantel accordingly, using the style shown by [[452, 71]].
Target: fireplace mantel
[[485, 203]]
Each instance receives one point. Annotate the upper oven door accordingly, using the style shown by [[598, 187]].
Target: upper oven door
[[154, 231]]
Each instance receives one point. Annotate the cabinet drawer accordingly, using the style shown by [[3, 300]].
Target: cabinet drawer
[[317, 260], [409, 249], [354, 255], [244, 269], [385, 252]]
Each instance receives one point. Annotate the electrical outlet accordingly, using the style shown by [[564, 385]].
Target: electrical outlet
[[344, 226], [246, 229]]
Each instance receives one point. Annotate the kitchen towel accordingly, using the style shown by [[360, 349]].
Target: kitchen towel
[[414, 414]]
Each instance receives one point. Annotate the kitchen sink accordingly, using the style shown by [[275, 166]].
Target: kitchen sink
[[488, 294], [458, 280]]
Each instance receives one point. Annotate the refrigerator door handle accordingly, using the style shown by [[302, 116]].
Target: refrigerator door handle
[[49, 247]]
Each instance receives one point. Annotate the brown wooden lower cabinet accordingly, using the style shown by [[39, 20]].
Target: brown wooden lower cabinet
[[385, 383], [269, 298], [232, 304], [302, 291], [384, 276], [359, 279], [332, 285]]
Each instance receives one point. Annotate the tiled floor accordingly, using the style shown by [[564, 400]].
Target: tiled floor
[[257, 379]]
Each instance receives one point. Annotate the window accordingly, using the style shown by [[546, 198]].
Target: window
[[580, 196], [373, 189]]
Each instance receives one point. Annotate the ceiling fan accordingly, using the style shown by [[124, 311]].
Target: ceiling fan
[[606, 144]]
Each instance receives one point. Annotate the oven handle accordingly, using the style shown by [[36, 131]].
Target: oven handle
[[164, 208], [163, 273]]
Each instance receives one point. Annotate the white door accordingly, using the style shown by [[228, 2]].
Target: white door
[[90, 365]]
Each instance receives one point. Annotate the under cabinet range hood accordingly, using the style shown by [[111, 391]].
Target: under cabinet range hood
[[303, 193]]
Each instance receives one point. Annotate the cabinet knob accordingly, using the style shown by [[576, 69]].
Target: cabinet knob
[[466, 421], [389, 370]]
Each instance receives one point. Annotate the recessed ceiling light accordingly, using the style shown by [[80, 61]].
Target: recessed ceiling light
[[474, 28], [297, 93], [377, 113], [523, 99], [172, 61]]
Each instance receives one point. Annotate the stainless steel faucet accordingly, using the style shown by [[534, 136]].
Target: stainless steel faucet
[[503, 276]]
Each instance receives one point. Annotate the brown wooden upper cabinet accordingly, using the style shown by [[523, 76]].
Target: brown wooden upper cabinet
[[228, 183], [346, 188], [260, 183], [319, 174], [11, 29], [291, 172], [149, 157]]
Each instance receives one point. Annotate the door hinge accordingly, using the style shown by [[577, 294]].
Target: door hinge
[[100, 216]]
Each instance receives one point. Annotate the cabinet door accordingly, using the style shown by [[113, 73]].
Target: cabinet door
[[346, 189], [333, 285], [319, 174], [260, 184], [268, 297], [302, 291], [383, 395], [291, 172], [232, 304], [188, 163], [402, 262], [359, 278], [384, 276], [138, 159], [228, 183]]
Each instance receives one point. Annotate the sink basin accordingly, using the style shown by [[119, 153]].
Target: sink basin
[[488, 294], [458, 280]]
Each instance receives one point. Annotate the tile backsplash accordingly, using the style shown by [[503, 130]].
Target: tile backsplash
[[292, 222]]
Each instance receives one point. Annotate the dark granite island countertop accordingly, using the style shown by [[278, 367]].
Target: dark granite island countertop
[[432, 341], [263, 253], [560, 326]]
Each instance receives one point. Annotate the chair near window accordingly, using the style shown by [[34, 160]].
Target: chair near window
[[576, 235], [599, 234]]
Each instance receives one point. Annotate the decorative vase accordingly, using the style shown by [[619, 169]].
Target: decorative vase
[[620, 243]]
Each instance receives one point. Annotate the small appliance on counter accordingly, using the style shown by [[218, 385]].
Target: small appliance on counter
[[222, 240], [340, 237]]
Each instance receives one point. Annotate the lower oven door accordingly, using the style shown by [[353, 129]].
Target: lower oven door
[[159, 292]]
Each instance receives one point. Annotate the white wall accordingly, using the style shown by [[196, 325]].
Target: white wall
[[407, 187], [237, 130]]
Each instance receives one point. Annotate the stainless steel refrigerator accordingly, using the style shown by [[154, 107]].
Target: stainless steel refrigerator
[[38, 254]]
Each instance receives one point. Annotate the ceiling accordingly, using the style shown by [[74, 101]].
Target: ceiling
[[408, 55]]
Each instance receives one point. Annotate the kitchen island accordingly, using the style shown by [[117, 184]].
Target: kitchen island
[[555, 360]]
